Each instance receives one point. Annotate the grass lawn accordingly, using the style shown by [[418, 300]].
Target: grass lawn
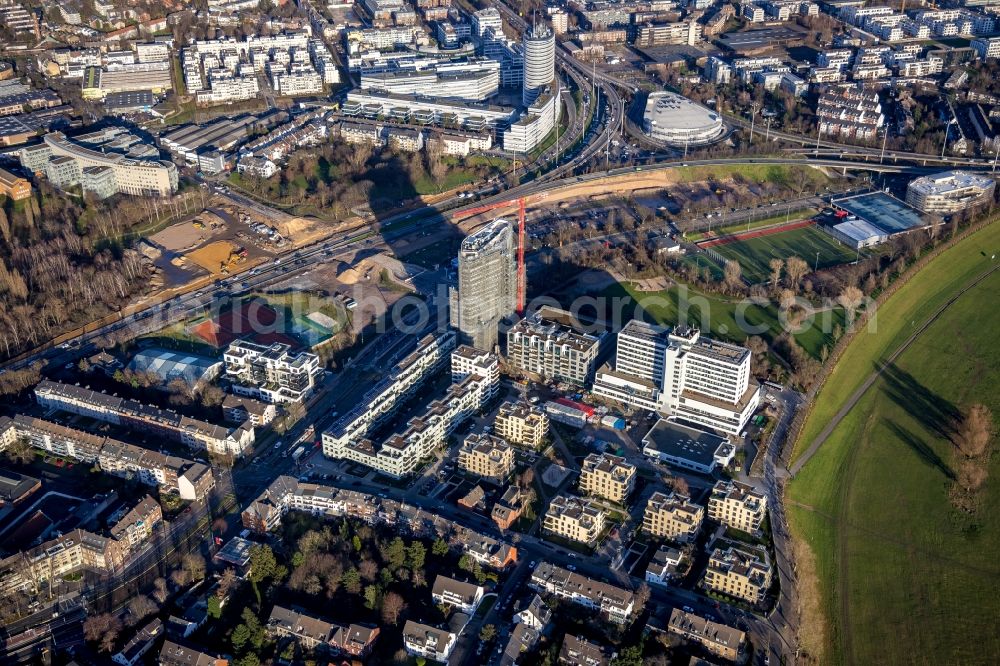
[[456, 177], [761, 173], [733, 320], [706, 311], [903, 576], [754, 254], [913, 303]]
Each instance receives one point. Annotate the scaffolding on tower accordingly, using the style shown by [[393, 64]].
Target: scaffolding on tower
[[521, 274]]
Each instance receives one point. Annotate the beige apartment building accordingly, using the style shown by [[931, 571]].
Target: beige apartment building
[[719, 639], [521, 424], [742, 574], [607, 476], [574, 518], [672, 516], [737, 505], [486, 456]]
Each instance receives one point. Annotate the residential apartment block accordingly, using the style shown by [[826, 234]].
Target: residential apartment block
[[719, 639], [551, 344], [146, 418], [737, 505], [616, 603], [486, 456], [188, 479], [663, 566], [270, 372], [741, 573], [286, 493], [521, 424], [850, 112], [672, 516], [607, 476], [176, 654], [401, 454], [455, 593], [136, 526], [574, 518], [14, 187], [311, 633], [238, 408], [422, 640], [80, 550], [380, 403], [578, 651]]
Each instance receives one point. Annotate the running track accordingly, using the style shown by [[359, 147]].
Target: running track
[[757, 233]]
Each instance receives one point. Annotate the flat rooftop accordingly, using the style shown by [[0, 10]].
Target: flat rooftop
[[680, 441], [760, 38], [883, 211]]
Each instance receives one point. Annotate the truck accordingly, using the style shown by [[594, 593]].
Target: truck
[[614, 422], [298, 453]]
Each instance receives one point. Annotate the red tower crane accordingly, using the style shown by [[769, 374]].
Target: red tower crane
[[519, 202]]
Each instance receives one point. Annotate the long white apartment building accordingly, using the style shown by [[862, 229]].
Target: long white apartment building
[[271, 372], [295, 78], [475, 79], [382, 400], [988, 47], [147, 418], [187, 479], [615, 602], [422, 110], [324, 61], [360, 40], [698, 380], [68, 162], [227, 70], [401, 454], [952, 22]]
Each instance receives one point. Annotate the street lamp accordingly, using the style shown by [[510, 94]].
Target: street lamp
[[947, 130]]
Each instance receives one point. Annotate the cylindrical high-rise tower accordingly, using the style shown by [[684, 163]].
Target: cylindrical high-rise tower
[[539, 62]]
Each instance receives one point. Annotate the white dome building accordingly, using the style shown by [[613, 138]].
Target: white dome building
[[677, 121], [539, 62]]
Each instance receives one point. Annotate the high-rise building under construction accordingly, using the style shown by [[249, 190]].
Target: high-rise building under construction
[[487, 284]]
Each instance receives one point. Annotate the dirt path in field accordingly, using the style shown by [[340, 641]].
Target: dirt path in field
[[873, 377], [841, 525], [756, 233]]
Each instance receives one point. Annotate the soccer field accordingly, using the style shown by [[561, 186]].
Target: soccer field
[[754, 254]]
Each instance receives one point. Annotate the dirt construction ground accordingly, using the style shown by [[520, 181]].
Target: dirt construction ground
[[600, 188], [213, 257]]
